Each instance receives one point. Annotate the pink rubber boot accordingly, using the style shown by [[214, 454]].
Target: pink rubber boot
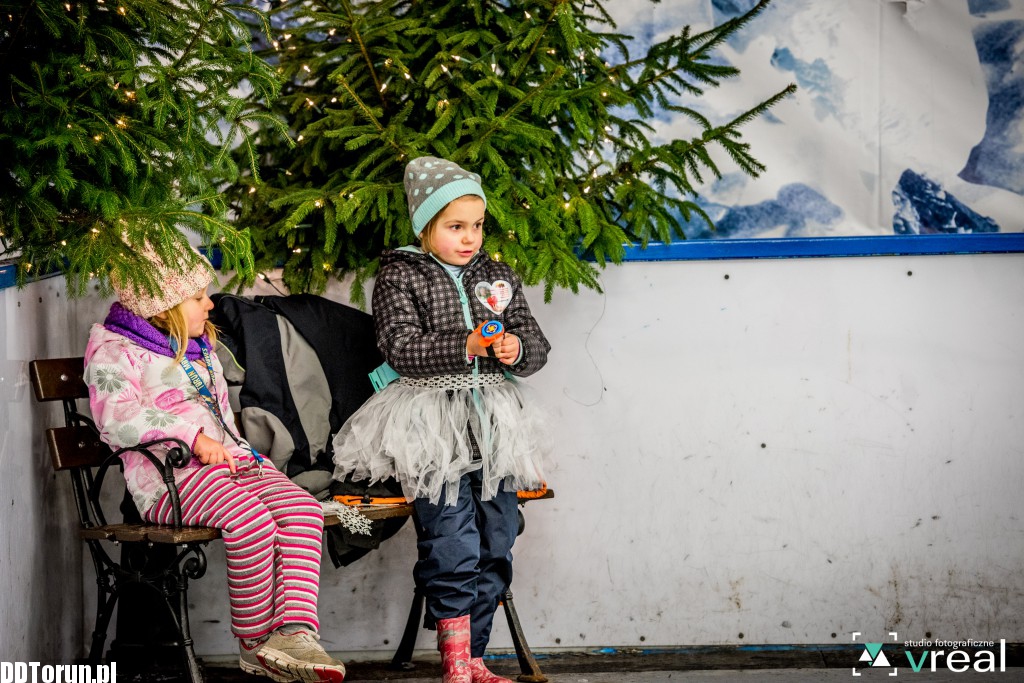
[[482, 675], [453, 642]]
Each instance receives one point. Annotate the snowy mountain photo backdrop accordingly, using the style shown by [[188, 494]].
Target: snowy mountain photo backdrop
[[909, 118]]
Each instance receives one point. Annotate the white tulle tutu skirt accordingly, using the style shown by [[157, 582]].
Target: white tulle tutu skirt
[[423, 434]]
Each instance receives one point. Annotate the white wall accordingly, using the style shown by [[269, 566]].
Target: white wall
[[885, 496], [41, 558]]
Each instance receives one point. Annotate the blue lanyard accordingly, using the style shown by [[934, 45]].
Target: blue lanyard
[[208, 398]]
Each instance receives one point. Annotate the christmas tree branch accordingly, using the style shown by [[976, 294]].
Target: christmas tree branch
[[364, 52], [533, 48]]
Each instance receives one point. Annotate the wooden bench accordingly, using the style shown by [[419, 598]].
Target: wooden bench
[[160, 559]]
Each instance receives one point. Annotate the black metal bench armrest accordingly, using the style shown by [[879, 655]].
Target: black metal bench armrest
[[177, 457]]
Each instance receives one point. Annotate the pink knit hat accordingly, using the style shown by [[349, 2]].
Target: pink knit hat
[[176, 283]]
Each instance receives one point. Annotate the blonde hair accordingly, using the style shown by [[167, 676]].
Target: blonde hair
[[175, 326], [428, 232]]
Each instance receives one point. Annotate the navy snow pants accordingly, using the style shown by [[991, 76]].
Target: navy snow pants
[[465, 556]]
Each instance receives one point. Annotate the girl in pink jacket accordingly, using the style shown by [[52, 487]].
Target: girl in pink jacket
[[153, 374]]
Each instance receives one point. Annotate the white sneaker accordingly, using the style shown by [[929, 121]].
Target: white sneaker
[[249, 661], [299, 656]]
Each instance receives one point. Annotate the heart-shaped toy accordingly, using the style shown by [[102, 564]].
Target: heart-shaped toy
[[495, 296]]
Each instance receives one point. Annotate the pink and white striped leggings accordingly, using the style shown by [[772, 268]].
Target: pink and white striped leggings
[[273, 532]]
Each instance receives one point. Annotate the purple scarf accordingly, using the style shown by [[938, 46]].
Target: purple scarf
[[141, 331]]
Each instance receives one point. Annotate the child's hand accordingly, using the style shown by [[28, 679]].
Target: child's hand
[[506, 348], [474, 346], [211, 452]]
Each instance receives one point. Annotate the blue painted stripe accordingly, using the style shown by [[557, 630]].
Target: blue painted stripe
[[704, 649], [795, 247], [789, 247], [693, 650], [8, 271], [7, 275]]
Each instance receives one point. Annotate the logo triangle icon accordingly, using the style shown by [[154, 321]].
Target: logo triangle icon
[[873, 648], [881, 661]]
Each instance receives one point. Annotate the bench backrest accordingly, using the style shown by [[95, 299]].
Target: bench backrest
[[58, 379], [76, 444]]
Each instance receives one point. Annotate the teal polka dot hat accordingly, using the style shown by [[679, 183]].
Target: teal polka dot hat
[[431, 183]]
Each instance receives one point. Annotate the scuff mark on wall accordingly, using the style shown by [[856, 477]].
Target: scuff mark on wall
[[896, 616], [909, 7]]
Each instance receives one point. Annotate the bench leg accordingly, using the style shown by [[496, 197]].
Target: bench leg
[[153, 624], [402, 661], [527, 662], [191, 568], [104, 610], [106, 598]]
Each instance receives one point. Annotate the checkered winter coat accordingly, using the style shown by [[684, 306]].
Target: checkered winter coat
[[423, 316]]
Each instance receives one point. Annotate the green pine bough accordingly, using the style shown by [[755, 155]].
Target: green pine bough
[[120, 126], [541, 98], [281, 137]]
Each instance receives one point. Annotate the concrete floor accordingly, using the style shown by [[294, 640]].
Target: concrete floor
[[719, 676], [752, 676], [775, 664]]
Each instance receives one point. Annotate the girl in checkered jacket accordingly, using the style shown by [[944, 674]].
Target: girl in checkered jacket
[[454, 429]]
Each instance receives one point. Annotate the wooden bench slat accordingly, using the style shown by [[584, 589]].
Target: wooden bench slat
[[96, 533], [56, 379], [151, 533], [387, 511], [193, 534], [373, 512], [72, 447], [405, 509]]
